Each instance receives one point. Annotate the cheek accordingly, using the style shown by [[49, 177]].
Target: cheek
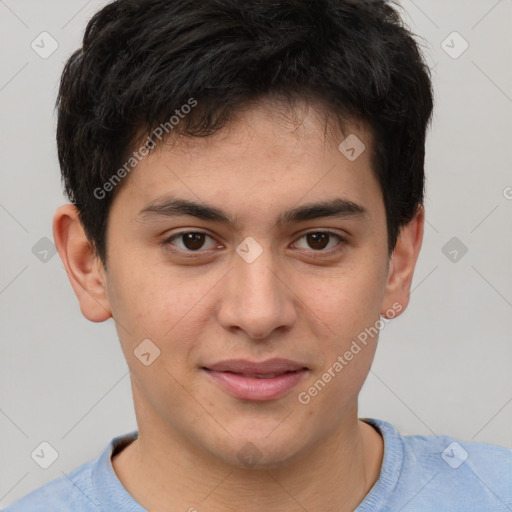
[[346, 303], [346, 356], [157, 302], [346, 311]]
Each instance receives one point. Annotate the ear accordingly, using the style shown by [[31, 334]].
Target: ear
[[85, 270], [402, 264]]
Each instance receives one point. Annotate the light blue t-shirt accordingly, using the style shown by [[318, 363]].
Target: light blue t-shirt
[[418, 474]]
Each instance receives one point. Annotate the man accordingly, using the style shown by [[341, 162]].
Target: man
[[246, 185]]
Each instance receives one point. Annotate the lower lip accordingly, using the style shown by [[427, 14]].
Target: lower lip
[[246, 388]]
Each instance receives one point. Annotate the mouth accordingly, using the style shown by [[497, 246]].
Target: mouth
[[257, 381]]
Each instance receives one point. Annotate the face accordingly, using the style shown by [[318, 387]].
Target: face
[[255, 299]]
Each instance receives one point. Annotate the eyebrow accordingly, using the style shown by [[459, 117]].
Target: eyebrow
[[168, 207]]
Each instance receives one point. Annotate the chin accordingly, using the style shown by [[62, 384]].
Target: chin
[[261, 448]]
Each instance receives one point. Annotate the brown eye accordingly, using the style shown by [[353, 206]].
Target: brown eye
[[191, 241], [320, 241]]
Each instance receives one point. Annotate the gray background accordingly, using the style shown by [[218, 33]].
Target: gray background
[[444, 367]]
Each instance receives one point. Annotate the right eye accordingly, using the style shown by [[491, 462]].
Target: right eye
[[190, 241]]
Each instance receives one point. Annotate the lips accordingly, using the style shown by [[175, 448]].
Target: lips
[[268, 367], [249, 380]]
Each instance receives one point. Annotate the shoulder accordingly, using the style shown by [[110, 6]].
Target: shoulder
[[91, 487], [68, 492], [456, 458], [440, 471], [471, 475]]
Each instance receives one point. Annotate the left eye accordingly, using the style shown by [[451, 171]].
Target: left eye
[[321, 240], [191, 241]]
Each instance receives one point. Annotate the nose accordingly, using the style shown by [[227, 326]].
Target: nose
[[256, 298]]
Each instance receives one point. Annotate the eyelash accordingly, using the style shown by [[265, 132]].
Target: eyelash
[[316, 253]]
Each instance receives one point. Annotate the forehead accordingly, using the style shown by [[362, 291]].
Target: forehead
[[273, 125], [264, 157]]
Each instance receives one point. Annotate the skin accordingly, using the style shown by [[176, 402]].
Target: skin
[[217, 306]]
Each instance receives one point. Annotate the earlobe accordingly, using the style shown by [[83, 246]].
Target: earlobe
[[84, 269], [403, 262]]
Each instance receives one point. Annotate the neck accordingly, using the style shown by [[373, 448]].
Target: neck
[[163, 472]]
